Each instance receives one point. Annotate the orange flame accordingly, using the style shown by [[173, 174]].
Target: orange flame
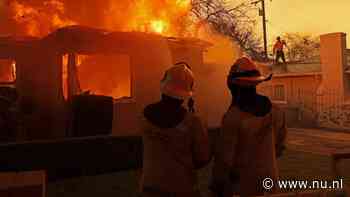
[[158, 26], [7, 71], [41, 20], [166, 17], [163, 17], [185, 4]]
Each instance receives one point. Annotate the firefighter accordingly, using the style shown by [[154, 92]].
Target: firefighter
[[175, 140], [278, 50], [245, 150]]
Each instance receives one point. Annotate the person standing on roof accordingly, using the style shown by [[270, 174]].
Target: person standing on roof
[[175, 140], [278, 50], [245, 152]]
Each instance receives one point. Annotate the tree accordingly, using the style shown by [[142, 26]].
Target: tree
[[302, 47], [237, 23]]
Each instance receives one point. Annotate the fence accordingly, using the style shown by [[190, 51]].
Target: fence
[[348, 57], [327, 108]]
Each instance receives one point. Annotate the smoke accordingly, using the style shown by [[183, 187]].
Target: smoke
[[223, 50]]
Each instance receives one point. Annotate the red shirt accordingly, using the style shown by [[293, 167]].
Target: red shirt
[[278, 46]]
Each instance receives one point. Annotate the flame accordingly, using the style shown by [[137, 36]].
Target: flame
[[158, 26], [166, 17], [14, 71], [163, 17], [7, 71], [41, 20], [184, 4]]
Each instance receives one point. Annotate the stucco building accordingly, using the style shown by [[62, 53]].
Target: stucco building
[[315, 94], [50, 73]]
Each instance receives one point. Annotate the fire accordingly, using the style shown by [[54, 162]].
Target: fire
[[7, 71], [41, 20], [185, 4], [80, 59], [24, 14], [14, 71], [158, 26], [166, 17], [162, 17]]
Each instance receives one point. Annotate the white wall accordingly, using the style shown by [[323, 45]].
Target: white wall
[[150, 57], [333, 63]]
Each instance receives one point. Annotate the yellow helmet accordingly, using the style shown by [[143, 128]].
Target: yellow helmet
[[178, 82]]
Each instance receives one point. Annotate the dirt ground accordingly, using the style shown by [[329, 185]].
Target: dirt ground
[[308, 157]]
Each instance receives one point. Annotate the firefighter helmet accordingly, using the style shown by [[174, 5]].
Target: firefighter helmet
[[246, 72], [178, 82]]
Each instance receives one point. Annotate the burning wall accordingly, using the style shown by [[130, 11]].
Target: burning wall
[[7, 71], [165, 17]]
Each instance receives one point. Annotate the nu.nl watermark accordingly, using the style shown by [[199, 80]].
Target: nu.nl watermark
[[269, 184]]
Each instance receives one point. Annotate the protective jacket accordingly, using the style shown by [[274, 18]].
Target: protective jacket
[[172, 153], [245, 152]]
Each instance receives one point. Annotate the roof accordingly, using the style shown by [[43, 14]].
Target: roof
[[294, 69], [193, 42], [9, 45], [91, 40], [87, 40]]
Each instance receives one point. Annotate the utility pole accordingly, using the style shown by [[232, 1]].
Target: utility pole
[[264, 28], [263, 14]]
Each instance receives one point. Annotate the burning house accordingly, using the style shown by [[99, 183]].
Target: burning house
[[62, 60], [124, 68]]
